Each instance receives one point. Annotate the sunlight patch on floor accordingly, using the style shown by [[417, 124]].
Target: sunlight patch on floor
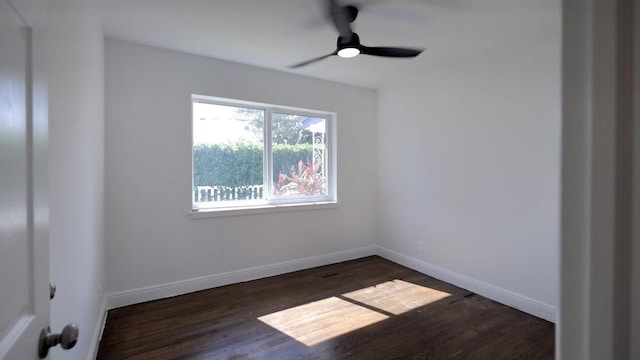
[[322, 320], [396, 296], [326, 319]]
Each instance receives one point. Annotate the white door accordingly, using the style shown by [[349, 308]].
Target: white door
[[24, 252]]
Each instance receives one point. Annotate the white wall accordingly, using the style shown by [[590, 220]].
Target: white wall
[[469, 162], [150, 239], [465, 158], [76, 168]]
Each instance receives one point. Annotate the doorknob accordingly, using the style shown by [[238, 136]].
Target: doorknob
[[52, 290], [67, 339]]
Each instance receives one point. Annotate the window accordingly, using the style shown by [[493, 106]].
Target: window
[[251, 155]]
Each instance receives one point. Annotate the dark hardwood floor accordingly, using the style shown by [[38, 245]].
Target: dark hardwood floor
[[368, 308]]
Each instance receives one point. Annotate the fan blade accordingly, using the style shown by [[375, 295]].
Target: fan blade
[[390, 51], [295, 66], [340, 19]]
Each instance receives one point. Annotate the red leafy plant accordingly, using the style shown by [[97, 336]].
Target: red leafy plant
[[307, 181]]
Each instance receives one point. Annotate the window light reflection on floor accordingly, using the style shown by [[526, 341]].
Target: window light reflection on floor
[[326, 319], [397, 296], [322, 320]]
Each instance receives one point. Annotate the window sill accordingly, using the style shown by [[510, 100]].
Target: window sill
[[260, 209]]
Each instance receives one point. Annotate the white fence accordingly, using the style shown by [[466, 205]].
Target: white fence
[[226, 193]]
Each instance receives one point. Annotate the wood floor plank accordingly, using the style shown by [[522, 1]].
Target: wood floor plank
[[369, 308]]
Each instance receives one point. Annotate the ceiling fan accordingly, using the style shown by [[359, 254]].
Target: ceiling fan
[[349, 42]]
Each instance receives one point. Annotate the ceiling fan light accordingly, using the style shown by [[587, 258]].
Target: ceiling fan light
[[348, 52]]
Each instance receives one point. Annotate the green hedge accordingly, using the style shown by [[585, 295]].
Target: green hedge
[[241, 164]]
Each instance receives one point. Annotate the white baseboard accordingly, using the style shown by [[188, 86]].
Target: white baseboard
[[517, 301], [135, 296], [506, 297], [97, 332]]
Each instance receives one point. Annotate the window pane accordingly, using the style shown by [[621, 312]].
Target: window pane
[[299, 155], [227, 154]]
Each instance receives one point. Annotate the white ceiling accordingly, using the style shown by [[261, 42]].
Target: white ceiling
[[277, 33]]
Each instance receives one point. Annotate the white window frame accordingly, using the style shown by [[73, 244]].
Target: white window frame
[[270, 204]]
